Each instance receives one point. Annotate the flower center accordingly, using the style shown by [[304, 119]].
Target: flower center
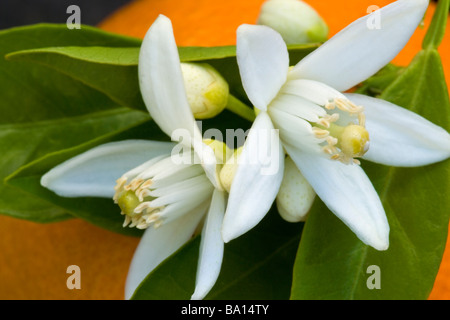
[[161, 190], [343, 143], [337, 125]]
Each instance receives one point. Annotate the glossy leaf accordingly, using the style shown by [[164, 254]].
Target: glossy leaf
[[118, 66], [44, 111], [257, 265], [436, 31], [333, 264]]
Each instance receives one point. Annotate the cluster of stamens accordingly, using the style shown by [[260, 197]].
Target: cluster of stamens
[[342, 143], [135, 202]]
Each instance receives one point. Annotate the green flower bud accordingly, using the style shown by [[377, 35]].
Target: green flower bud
[[229, 170], [296, 21], [207, 91], [296, 196], [221, 150]]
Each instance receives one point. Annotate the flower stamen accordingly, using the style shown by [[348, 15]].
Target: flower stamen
[[343, 143], [153, 194]]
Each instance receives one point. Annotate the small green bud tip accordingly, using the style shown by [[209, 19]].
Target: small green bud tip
[[128, 201], [296, 21], [207, 91]]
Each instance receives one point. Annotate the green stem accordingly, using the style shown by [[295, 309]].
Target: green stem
[[436, 31], [241, 109]]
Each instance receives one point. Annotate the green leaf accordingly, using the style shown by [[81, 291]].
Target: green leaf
[[437, 28], [376, 84], [39, 106], [102, 67], [21, 143], [98, 211], [258, 265], [112, 71], [333, 264]]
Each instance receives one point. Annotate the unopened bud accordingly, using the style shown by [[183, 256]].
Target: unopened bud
[[296, 195], [296, 21], [221, 150], [229, 170], [207, 91]]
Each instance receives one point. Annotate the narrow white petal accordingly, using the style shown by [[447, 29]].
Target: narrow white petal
[[298, 106], [94, 172], [314, 91], [399, 137], [181, 192], [208, 161], [178, 209], [158, 244], [263, 63], [363, 47], [211, 247], [257, 179], [295, 131], [162, 85], [180, 172], [349, 194]]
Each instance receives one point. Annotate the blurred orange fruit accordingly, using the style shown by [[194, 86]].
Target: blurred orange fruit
[[35, 257]]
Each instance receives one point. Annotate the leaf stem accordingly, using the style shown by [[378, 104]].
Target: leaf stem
[[241, 109], [436, 31]]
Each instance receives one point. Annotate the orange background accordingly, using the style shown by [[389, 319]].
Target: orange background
[[34, 257]]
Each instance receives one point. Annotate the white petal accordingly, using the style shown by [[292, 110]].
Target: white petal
[[349, 194], [314, 91], [295, 131], [360, 50], [298, 106], [158, 244], [211, 247], [257, 179], [263, 63], [162, 85], [208, 161], [399, 137], [94, 172]]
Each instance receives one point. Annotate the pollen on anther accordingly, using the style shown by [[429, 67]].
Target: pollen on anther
[[134, 184], [330, 105], [120, 182], [336, 157], [320, 133], [332, 141]]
